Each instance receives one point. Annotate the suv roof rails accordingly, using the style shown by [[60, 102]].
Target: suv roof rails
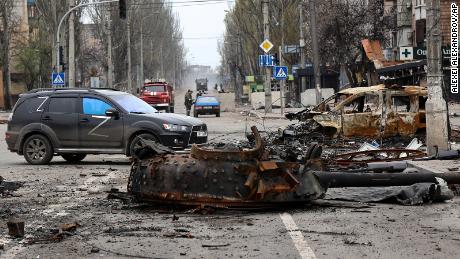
[[68, 89]]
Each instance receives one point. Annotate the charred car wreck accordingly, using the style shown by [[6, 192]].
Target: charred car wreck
[[373, 112]]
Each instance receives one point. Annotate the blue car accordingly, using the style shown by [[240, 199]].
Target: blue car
[[206, 105]]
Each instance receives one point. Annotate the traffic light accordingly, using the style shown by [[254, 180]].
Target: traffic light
[[275, 58], [122, 8], [61, 56]]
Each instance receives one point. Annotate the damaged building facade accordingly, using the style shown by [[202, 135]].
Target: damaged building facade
[[409, 19]]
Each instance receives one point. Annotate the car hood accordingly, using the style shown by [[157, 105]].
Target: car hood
[[172, 118]]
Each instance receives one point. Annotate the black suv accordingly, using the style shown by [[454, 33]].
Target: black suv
[[75, 122]]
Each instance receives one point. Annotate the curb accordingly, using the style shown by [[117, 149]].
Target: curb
[[274, 118]]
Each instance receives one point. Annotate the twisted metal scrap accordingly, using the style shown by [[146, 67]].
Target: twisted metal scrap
[[222, 178]]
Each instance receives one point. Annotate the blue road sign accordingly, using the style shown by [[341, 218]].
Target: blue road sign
[[58, 79], [280, 72], [266, 61]]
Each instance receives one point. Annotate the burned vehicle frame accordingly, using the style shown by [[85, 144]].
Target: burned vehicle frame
[[374, 112]]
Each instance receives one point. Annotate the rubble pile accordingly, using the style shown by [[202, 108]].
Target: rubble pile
[[8, 188]]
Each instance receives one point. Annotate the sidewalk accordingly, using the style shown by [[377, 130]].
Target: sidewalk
[[275, 114], [437, 166]]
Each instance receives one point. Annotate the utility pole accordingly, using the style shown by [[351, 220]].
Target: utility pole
[[109, 54], [53, 51], [283, 82], [268, 78], [138, 77], [142, 54], [436, 108], [161, 59], [130, 83], [303, 80], [72, 46], [238, 79], [174, 70], [316, 61]]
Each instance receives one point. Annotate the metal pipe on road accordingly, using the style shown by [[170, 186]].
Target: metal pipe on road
[[345, 179]]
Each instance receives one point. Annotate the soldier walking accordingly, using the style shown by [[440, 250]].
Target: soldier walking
[[188, 101]]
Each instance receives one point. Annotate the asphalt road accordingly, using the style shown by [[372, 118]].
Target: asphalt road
[[66, 193]]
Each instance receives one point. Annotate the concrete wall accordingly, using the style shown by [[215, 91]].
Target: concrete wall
[[258, 99], [309, 96], [227, 101]]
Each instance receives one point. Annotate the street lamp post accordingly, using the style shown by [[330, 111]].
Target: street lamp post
[[58, 42]]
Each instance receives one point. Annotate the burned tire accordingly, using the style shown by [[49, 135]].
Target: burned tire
[[136, 143], [73, 158], [37, 150]]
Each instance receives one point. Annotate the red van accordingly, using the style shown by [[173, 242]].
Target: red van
[[160, 95]]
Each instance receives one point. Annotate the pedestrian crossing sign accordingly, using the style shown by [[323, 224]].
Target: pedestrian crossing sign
[[58, 79], [280, 72]]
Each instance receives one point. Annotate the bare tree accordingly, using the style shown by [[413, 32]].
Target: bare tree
[[163, 49], [342, 26], [7, 19]]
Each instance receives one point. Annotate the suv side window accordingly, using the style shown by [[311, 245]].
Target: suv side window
[[63, 105], [92, 106]]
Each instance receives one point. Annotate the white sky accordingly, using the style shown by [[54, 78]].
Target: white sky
[[203, 26]]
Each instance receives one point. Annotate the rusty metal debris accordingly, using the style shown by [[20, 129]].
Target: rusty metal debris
[[60, 234], [254, 178], [380, 155], [223, 178]]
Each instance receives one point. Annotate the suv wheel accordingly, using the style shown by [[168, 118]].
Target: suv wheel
[[136, 143], [37, 150], [73, 158]]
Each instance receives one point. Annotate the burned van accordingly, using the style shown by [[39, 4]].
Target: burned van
[[375, 111]]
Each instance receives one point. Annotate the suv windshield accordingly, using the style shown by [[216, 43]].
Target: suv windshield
[[155, 88], [132, 104]]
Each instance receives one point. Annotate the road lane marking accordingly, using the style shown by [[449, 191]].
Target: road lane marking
[[302, 246]]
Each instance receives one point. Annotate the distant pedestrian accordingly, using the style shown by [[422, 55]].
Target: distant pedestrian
[[188, 101], [215, 87]]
